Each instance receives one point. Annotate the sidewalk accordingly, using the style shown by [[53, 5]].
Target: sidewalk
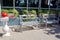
[[40, 34]]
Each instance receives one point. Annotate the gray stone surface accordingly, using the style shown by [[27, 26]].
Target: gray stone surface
[[41, 34]]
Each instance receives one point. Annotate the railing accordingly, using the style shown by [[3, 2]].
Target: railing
[[23, 18], [12, 21], [28, 17]]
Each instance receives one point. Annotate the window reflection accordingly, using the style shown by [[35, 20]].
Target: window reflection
[[33, 3], [54, 3], [49, 3], [7, 2], [58, 3], [21, 3], [44, 3]]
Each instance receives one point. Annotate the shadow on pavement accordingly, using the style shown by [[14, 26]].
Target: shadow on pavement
[[54, 30], [1, 34], [58, 36]]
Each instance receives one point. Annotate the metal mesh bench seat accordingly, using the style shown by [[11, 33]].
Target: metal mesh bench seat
[[33, 24]]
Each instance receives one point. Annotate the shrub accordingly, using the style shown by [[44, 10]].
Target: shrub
[[25, 12], [40, 11], [33, 12], [5, 10], [15, 12], [9, 11], [43, 11]]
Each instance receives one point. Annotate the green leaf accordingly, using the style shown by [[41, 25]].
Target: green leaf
[[4, 10], [25, 11], [33, 12]]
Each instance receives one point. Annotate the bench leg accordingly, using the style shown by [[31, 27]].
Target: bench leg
[[35, 27]]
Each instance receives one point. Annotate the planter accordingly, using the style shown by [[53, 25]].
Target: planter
[[45, 15], [11, 15]]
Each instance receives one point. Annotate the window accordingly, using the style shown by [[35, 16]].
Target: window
[[53, 3], [7, 2], [20, 3], [44, 3], [48, 3], [33, 3], [58, 3]]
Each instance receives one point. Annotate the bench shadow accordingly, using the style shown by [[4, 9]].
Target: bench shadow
[[54, 30], [57, 36], [1, 34]]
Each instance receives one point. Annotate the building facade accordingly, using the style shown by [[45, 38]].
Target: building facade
[[37, 5], [30, 4]]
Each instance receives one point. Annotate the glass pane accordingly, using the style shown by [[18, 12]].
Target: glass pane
[[44, 3], [58, 3], [20, 3], [48, 3], [7, 2], [20, 10], [54, 3], [33, 3]]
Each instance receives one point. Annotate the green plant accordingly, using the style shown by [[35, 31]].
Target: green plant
[[33, 12], [43, 11], [49, 11], [4, 10], [52, 11], [9, 11], [40, 11], [57, 11], [25, 12], [15, 12]]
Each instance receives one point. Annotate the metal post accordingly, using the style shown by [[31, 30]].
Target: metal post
[[49, 10], [13, 4], [20, 17], [38, 14], [0, 8], [27, 10], [46, 23]]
